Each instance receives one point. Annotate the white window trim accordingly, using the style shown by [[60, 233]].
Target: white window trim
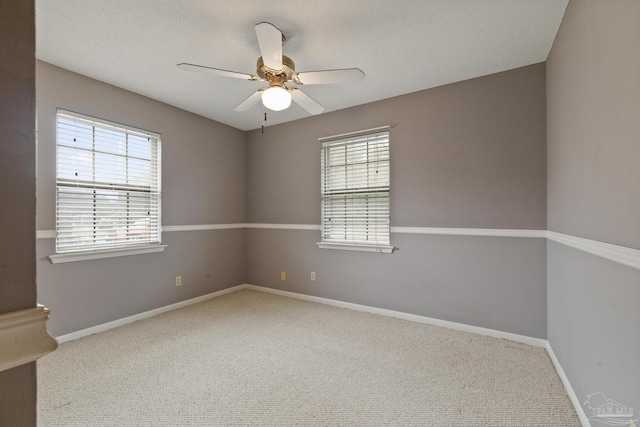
[[105, 253], [383, 249], [347, 246], [91, 254]]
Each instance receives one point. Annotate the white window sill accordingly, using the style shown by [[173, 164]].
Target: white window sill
[[107, 253], [356, 247]]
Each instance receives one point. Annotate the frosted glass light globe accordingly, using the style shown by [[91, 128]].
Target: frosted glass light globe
[[276, 98]]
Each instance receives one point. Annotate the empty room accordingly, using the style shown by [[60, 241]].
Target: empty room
[[412, 213]]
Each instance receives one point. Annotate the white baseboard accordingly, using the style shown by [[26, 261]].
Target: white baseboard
[[567, 386], [536, 342], [130, 319]]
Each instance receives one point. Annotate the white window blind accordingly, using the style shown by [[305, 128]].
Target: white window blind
[[355, 189], [107, 185]]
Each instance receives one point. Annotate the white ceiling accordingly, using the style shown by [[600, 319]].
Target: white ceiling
[[403, 46]]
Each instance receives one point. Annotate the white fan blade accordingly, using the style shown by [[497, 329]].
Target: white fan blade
[[270, 40], [250, 101], [347, 75], [306, 102], [217, 71]]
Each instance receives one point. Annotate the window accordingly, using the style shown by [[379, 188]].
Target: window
[[355, 191], [107, 186]]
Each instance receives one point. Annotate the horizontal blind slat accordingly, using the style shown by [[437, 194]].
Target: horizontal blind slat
[[108, 184], [355, 189]]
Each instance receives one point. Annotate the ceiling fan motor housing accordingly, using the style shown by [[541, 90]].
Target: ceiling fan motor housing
[[278, 77]]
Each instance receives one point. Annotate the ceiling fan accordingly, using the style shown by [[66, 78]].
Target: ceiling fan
[[279, 71]]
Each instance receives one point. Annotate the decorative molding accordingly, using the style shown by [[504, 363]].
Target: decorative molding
[[108, 253], [285, 226], [140, 316], [24, 337], [489, 232], [485, 232], [536, 342], [356, 247], [620, 254], [577, 404], [169, 228]]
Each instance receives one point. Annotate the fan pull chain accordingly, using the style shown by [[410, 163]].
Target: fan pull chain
[[265, 120]]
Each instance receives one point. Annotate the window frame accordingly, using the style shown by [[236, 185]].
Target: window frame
[[133, 191], [354, 243]]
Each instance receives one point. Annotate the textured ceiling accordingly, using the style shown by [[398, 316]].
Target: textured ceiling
[[403, 46]]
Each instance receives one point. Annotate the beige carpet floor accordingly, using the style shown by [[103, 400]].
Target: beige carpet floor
[[256, 359]]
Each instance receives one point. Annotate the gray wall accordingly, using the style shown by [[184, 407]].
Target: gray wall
[[17, 195], [531, 148], [467, 155], [534, 148], [203, 182], [470, 154], [593, 116], [594, 123]]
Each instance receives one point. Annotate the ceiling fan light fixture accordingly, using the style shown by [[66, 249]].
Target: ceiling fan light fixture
[[276, 98], [277, 70]]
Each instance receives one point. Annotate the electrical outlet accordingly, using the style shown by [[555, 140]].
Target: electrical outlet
[[313, 276], [283, 275], [178, 280]]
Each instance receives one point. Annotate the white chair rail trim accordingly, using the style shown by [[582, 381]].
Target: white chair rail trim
[[485, 232], [201, 227], [620, 254], [24, 337]]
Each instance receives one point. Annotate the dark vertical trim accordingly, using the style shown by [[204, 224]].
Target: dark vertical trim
[[17, 195]]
